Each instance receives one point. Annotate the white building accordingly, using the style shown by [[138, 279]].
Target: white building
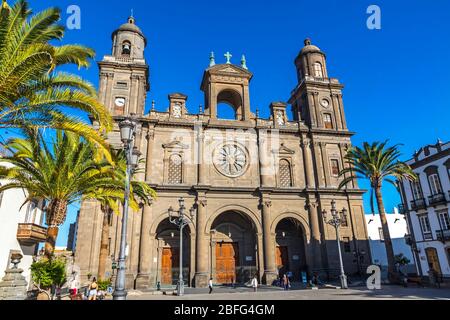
[[426, 204], [21, 229], [398, 228]]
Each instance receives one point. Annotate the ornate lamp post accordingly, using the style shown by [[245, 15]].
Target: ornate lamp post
[[181, 221], [336, 222], [127, 133]]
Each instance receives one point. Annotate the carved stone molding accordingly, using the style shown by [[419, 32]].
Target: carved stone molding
[[203, 203], [268, 203]]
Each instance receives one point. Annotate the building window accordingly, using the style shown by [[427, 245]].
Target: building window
[[416, 190], [435, 185], [318, 71], [346, 241], [175, 169], [30, 216], [380, 232], [335, 167], [327, 120], [126, 48], [425, 224], [344, 220], [444, 219], [285, 174]]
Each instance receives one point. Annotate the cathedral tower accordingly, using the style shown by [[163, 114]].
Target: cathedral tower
[[317, 100], [124, 74]]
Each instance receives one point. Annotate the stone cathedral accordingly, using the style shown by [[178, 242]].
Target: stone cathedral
[[254, 188]]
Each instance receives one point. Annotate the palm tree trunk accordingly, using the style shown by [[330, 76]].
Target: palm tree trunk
[[104, 244], [55, 216], [50, 242], [386, 235]]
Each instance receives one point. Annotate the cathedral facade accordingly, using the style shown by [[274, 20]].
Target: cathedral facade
[[254, 189]]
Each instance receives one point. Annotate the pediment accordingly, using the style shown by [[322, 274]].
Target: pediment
[[283, 150], [229, 68], [175, 145]]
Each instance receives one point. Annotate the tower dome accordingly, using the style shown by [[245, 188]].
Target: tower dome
[[130, 26]]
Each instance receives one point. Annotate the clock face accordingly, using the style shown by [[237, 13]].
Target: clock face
[[176, 111], [120, 102], [231, 160], [280, 118], [325, 103]]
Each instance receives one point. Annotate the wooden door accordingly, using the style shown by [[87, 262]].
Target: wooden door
[[433, 259], [227, 258], [282, 259], [169, 262]]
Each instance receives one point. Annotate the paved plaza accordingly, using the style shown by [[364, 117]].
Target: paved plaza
[[271, 293]]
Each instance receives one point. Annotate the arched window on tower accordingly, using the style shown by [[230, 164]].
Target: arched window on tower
[[175, 175], [328, 121], [126, 48], [285, 174], [318, 71]]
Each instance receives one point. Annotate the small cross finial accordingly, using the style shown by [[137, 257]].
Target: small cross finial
[[228, 55], [200, 109], [244, 62], [132, 13], [212, 59]]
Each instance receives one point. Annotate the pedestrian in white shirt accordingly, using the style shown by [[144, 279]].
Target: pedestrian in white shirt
[[210, 285], [255, 283]]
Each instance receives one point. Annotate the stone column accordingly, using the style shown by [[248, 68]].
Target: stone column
[[202, 165], [311, 108], [320, 165], [325, 163], [263, 160], [148, 161], [342, 150], [337, 110], [315, 234], [319, 119], [202, 259], [270, 271], [145, 250], [341, 108], [308, 163]]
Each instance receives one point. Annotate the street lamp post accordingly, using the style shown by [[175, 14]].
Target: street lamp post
[[180, 221], [127, 133], [336, 222]]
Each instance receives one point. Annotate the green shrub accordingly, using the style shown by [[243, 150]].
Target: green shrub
[[103, 284], [45, 273]]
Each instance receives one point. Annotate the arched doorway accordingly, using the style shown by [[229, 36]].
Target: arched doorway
[[234, 256], [290, 255], [168, 244]]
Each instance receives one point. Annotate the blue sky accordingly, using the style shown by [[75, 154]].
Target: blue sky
[[396, 78]]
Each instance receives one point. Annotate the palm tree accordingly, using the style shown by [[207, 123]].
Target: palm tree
[[63, 174], [32, 92], [377, 163], [140, 194]]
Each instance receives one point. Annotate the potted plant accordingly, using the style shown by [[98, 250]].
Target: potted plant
[[46, 273]]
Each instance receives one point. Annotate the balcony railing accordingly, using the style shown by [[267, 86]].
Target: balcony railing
[[402, 209], [418, 204], [427, 236], [30, 234], [443, 235], [437, 199]]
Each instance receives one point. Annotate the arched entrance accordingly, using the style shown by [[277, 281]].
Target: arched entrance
[[290, 253], [234, 256], [168, 248]]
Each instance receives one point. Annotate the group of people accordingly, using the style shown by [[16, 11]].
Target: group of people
[[93, 292]]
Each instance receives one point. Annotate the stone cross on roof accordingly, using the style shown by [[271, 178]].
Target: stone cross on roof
[[228, 56]]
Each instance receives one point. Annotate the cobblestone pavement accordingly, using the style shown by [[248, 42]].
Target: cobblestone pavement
[[270, 293]]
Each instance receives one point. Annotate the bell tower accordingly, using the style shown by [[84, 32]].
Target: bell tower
[[124, 74], [317, 99], [227, 83]]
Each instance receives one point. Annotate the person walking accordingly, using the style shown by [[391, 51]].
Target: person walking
[[286, 282], [93, 289], [255, 283], [210, 285], [73, 286]]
